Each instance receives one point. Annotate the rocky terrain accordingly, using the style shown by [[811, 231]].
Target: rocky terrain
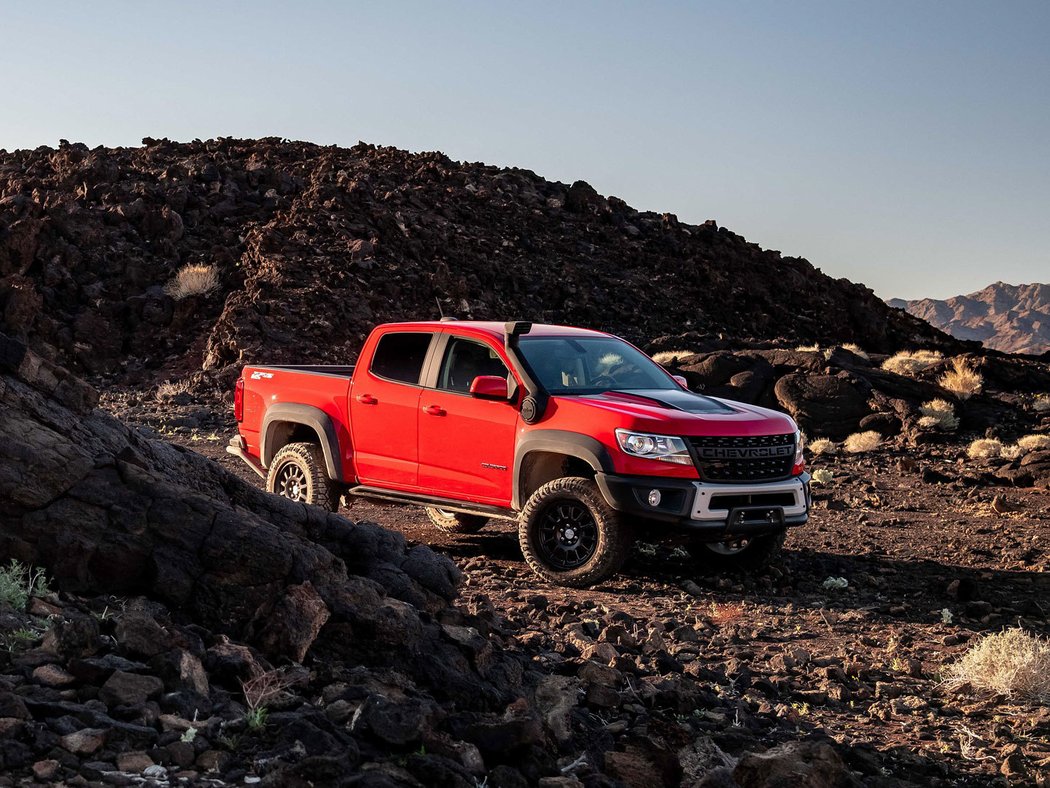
[[313, 245], [194, 630], [1011, 318]]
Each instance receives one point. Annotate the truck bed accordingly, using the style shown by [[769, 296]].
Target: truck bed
[[332, 370]]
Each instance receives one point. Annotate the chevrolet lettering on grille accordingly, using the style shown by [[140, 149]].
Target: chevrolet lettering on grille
[[745, 453]]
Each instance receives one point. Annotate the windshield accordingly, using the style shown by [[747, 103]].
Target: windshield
[[590, 365]]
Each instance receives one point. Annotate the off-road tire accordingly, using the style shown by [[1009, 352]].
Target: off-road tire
[[298, 472], [577, 497], [761, 551], [456, 522]]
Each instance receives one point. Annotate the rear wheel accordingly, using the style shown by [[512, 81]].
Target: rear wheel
[[298, 473], [570, 536], [751, 554], [455, 522]]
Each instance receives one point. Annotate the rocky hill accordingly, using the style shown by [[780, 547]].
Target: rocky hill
[[314, 245], [1011, 318]]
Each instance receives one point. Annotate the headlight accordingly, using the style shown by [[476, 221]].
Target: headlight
[[654, 447], [800, 444]]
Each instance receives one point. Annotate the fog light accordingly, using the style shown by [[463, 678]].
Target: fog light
[[654, 497]]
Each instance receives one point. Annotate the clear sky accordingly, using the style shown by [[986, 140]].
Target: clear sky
[[905, 144]]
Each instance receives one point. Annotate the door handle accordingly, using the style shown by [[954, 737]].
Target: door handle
[[434, 410], [367, 399]]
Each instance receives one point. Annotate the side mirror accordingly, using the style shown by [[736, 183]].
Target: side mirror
[[489, 387], [681, 381]]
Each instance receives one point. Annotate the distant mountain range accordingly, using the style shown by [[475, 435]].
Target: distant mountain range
[[1011, 318]]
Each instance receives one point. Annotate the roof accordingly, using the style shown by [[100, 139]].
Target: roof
[[494, 328]]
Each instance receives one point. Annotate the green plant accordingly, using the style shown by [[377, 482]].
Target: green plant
[[822, 476], [256, 718], [19, 582], [18, 639]]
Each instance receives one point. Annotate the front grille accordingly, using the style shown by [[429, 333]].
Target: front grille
[[761, 458]]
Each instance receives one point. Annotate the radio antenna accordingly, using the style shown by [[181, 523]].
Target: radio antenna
[[437, 301]]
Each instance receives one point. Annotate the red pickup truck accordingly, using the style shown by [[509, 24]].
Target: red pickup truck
[[575, 435]]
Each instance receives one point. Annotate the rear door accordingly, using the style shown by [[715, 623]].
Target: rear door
[[466, 444], [384, 401]]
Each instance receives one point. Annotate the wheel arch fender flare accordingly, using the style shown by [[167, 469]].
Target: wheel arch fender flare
[[283, 413], [570, 444]]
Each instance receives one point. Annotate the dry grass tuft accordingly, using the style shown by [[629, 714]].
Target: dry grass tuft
[[822, 446], [984, 449], [855, 349], [1041, 404], [1011, 452], [912, 362], [1013, 663], [193, 280], [1033, 443], [666, 357], [808, 349], [962, 379], [172, 389], [860, 442], [938, 414]]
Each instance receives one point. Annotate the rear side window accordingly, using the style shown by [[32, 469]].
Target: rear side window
[[400, 356], [464, 361]]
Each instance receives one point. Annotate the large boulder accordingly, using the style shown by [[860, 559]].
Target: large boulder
[[105, 509], [828, 406]]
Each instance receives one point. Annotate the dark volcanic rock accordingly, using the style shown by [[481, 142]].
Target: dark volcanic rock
[[826, 405], [104, 509], [314, 245]]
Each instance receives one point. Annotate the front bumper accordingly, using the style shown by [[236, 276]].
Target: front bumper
[[710, 510]]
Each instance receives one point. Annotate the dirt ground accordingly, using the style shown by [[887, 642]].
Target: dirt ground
[[930, 566]]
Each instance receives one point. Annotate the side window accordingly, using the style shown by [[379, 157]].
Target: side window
[[400, 356], [465, 360]]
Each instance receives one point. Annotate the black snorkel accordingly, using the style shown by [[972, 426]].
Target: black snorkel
[[535, 401]]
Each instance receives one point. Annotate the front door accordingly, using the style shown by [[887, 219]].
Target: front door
[[384, 402], [466, 444]]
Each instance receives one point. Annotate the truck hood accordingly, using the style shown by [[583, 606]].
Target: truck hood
[[680, 412]]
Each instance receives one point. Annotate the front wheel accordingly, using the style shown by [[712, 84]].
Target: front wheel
[[455, 522], [298, 472], [751, 554], [570, 536]]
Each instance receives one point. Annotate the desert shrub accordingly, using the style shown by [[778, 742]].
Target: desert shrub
[[862, 441], [19, 582], [192, 280], [1033, 443], [808, 349], [962, 379], [856, 350], [822, 476], [1013, 663], [171, 389], [912, 362], [822, 446], [984, 448], [938, 414], [1041, 404], [1011, 452], [666, 357]]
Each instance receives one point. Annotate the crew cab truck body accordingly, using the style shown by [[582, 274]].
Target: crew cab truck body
[[576, 435]]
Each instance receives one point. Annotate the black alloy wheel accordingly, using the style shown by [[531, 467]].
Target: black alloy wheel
[[567, 535]]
